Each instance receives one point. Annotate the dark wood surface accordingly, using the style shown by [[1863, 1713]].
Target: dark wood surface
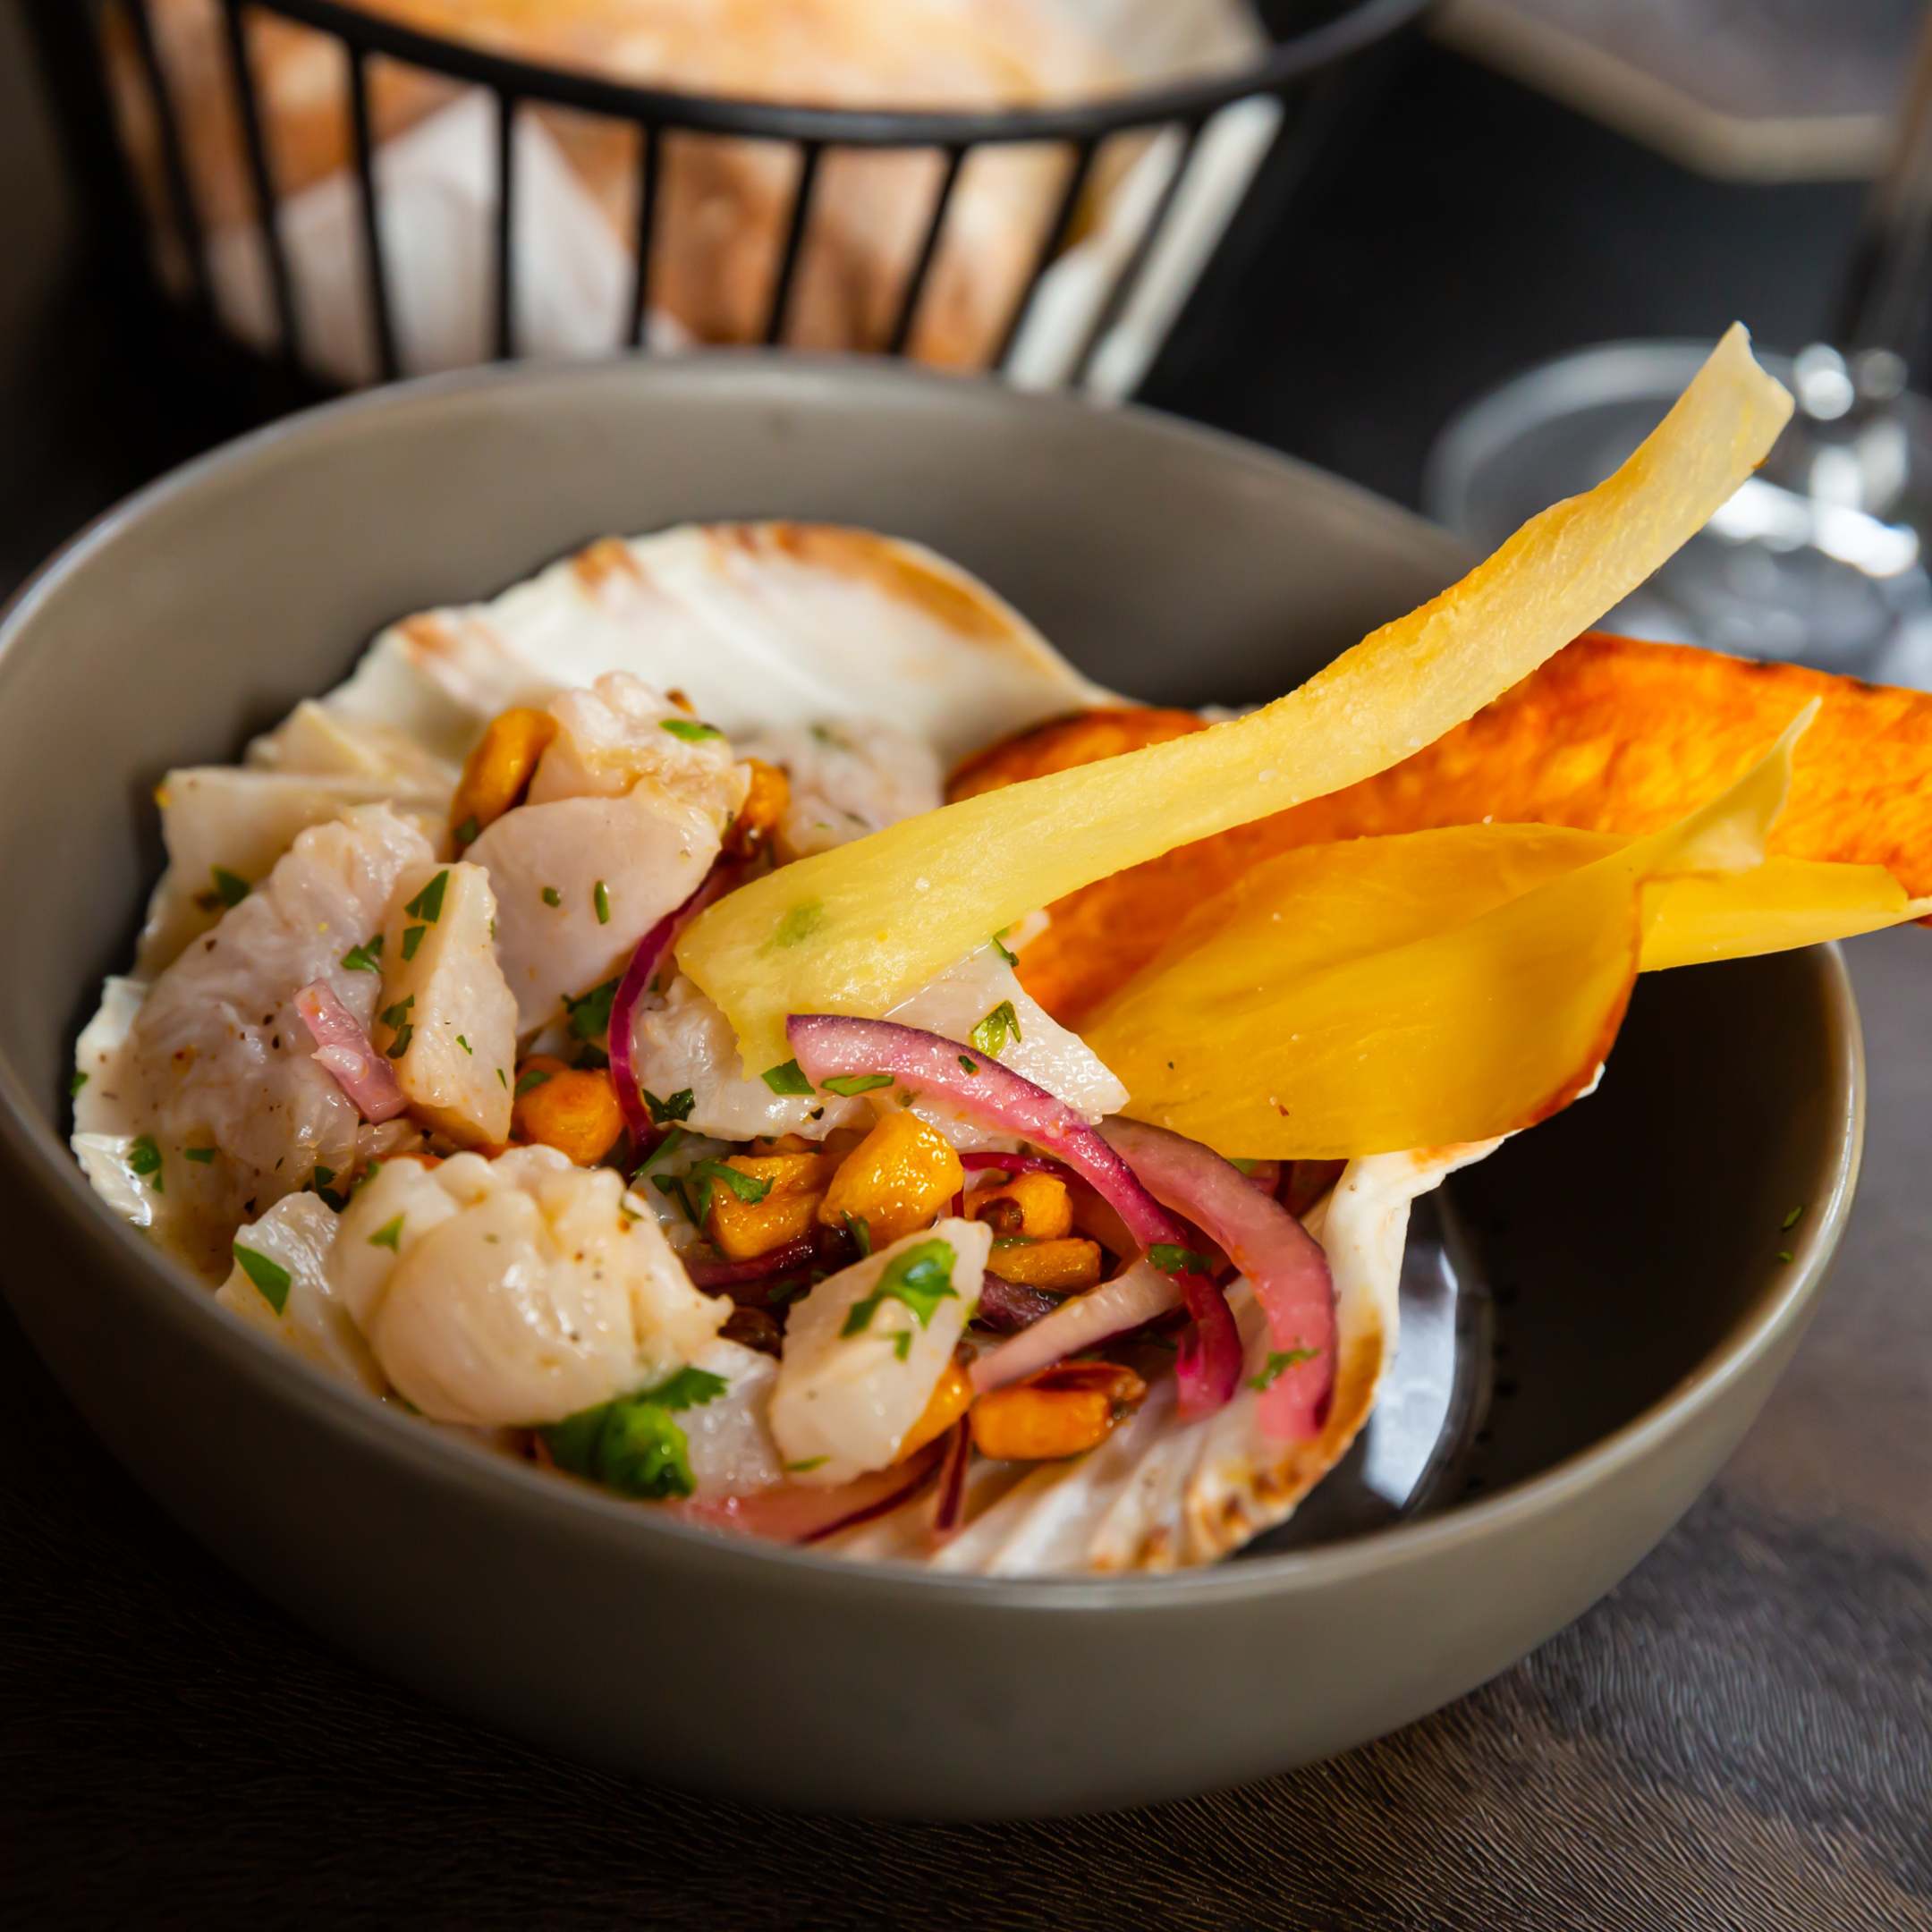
[[1740, 1736]]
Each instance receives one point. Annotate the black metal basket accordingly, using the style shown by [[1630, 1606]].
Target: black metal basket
[[1310, 39]]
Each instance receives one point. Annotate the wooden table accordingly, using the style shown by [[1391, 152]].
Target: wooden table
[[1740, 1736]]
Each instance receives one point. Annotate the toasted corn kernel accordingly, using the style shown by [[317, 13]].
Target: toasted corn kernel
[[499, 768], [1058, 1265], [1033, 1203], [573, 1109], [793, 1186], [768, 794], [952, 1397], [897, 1179]]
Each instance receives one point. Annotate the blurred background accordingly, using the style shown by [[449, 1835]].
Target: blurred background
[[1371, 233]]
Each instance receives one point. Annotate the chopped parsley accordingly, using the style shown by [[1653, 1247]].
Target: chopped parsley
[[811, 1462], [671, 1187], [503, 1079], [427, 904], [1171, 1258], [465, 1045], [388, 1235], [397, 1018], [848, 1086], [689, 729], [1011, 959], [999, 1026], [1246, 1166], [466, 832], [590, 1015], [270, 1278], [972, 1066], [145, 1158], [1792, 1218], [365, 957], [669, 1145], [77, 1080], [1784, 1254], [635, 1444], [861, 1234], [600, 899], [800, 923], [748, 1188], [230, 887], [1280, 1360], [531, 1079], [678, 1107], [787, 1079], [920, 1276], [412, 937], [552, 896], [319, 1180], [202, 1154]]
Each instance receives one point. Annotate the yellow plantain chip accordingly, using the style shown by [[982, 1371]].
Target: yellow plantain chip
[[857, 929]]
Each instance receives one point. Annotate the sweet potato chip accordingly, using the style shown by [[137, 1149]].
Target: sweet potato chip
[[1342, 1025], [1611, 736], [855, 929]]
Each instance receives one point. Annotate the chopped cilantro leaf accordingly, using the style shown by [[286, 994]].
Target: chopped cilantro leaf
[[590, 1015], [427, 904], [1246, 1166], [1784, 1254], [972, 1066], [811, 1462], [398, 1014], [503, 1079], [270, 1276], [1792, 1218], [324, 1175], [849, 1085], [669, 1145], [1171, 1258], [202, 1154], [1011, 959], [465, 1045], [999, 1026], [861, 1234], [787, 1079], [388, 1235], [1278, 1360], [364, 957], [671, 1187], [77, 1080], [412, 937], [748, 1188], [688, 1388], [635, 1444], [400, 1045], [466, 832], [678, 1107], [145, 1158], [600, 899], [531, 1079], [552, 896], [920, 1276], [689, 729], [230, 887]]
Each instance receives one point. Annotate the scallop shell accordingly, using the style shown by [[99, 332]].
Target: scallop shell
[[1162, 1495]]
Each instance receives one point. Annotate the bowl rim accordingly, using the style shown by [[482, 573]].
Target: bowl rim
[[40, 1154]]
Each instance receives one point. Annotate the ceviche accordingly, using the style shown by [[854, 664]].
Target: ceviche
[[738, 1021]]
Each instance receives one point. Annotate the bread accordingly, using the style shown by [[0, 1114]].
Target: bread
[[724, 205]]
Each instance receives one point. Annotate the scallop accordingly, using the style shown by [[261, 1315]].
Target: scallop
[[449, 1018], [217, 1067], [515, 1291], [620, 733], [864, 1349]]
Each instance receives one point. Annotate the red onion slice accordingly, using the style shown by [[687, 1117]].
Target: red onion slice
[[796, 1513], [636, 982], [1138, 1294], [344, 1051], [1280, 1258], [829, 1045], [708, 1274], [949, 1497]]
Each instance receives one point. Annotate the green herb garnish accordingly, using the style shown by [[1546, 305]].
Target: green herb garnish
[[230, 887], [202, 1155], [552, 896], [972, 1066], [1278, 1360], [635, 1444], [1011, 959], [590, 1015], [427, 904], [920, 1276], [787, 1079], [748, 1188], [364, 957], [811, 1462], [412, 937], [678, 1107], [848, 1086], [600, 899], [270, 1276], [1171, 1258], [465, 1045], [76, 1081], [670, 1144], [1792, 1218], [388, 1235], [689, 729], [861, 1234], [466, 832], [145, 1158], [999, 1026], [528, 1082], [800, 923]]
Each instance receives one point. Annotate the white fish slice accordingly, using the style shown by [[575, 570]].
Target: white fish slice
[[762, 625], [1162, 1495]]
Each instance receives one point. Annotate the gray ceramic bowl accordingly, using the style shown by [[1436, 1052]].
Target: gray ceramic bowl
[[1627, 1252]]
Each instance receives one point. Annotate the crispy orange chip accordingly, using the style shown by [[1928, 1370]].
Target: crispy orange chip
[[1611, 736]]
